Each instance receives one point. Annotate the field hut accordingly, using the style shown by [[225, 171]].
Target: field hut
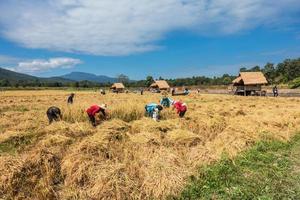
[[249, 83], [117, 87], [160, 85]]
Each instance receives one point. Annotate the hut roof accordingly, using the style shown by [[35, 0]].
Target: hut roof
[[118, 86], [161, 84], [251, 78]]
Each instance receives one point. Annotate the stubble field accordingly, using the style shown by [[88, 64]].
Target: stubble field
[[128, 156]]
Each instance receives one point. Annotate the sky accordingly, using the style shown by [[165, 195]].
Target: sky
[[167, 38]]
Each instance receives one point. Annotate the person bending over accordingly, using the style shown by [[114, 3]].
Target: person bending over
[[166, 101], [180, 107], [54, 114], [95, 109], [153, 111], [70, 98]]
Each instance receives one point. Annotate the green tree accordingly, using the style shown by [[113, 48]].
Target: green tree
[[255, 69], [37, 83], [243, 69], [270, 72], [75, 84], [4, 83], [149, 81], [226, 80]]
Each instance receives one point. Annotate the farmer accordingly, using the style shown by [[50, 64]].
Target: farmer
[[102, 92], [54, 114], [70, 98], [180, 107], [166, 101], [186, 91], [93, 110], [275, 91], [173, 91], [153, 111]]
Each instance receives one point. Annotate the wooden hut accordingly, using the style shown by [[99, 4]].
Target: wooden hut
[[160, 85], [249, 83], [117, 87]]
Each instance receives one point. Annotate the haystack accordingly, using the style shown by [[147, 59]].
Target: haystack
[[161, 85], [249, 83]]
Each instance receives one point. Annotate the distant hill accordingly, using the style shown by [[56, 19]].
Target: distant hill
[[14, 77], [82, 76], [9, 78]]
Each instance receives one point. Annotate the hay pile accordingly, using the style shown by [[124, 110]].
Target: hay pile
[[36, 176]]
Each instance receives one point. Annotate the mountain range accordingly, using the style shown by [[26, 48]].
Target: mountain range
[[14, 77], [82, 76]]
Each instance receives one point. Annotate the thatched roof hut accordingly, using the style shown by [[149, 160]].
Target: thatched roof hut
[[161, 84], [117, 87], [250, 78], [249, 83]]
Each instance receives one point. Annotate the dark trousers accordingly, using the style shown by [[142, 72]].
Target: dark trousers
[[70, 100], [182, 113], [92, 120]]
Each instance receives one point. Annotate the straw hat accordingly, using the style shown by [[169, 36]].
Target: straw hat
[[104, 106]]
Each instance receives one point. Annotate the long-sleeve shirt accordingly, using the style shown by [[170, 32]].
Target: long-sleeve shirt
[[95, 109], [180, 107], [151, 107], [166, 101]]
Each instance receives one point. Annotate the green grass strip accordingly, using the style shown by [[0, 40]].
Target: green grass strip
[[269, 170]]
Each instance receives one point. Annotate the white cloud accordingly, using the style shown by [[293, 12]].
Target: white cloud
[[4, 60], [124, 27], [39, 65]]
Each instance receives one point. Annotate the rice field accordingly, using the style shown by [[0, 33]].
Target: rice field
[[129, 156]]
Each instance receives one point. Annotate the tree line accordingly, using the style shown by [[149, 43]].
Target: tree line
[[38, 83], [286, 72]]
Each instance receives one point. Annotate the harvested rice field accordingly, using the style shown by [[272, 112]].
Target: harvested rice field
[[129, 156]]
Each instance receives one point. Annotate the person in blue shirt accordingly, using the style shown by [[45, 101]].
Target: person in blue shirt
[[153, 111], [166, 101]]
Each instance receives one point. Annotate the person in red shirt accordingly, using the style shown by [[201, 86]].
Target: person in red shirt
[[180, 107], [93, 110]]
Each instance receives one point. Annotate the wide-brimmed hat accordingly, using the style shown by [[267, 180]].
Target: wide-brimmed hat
[[104, 106]]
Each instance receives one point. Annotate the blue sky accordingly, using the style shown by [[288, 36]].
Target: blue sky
[[168, 38]]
